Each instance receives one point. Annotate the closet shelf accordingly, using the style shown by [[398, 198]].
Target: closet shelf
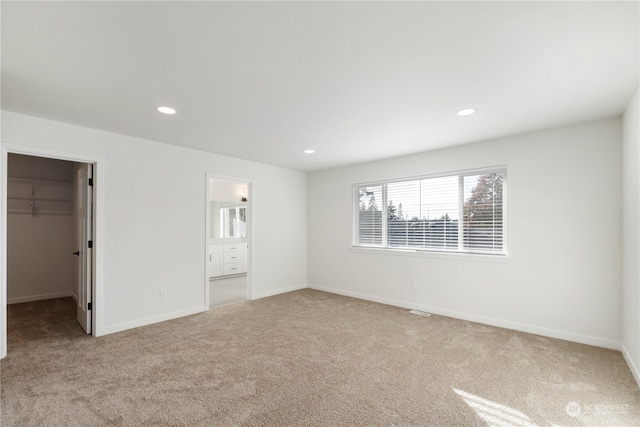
[[38, 180], [38, 196], [39, 206]]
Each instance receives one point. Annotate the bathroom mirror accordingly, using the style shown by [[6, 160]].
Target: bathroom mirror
[[233, 220]]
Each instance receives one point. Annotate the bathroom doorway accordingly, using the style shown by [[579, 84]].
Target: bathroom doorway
[[228, 240]]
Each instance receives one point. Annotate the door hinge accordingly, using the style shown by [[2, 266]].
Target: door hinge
[[90, 182], [89, 306], [90, 244]]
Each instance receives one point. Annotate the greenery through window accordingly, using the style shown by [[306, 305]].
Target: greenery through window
[[461, 212]]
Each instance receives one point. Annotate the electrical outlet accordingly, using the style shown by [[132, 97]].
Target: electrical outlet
[[414, 284], [163, 293]]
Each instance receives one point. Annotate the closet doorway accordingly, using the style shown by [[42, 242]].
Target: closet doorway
[[49, 241], [228, 235]]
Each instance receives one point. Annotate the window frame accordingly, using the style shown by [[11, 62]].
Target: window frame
[[357, 246]]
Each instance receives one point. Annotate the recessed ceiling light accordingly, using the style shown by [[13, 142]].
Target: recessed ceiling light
[[466, 111], [309, 151], [166, 110]]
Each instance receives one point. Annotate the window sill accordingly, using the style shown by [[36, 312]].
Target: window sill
[[460, 256]]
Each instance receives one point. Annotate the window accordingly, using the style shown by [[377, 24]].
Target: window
[[458, 212], [233, 221]]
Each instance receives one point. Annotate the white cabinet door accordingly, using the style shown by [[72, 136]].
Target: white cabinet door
[[216, 265], [216, 260]]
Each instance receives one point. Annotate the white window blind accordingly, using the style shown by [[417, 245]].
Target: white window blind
[[458, 212]]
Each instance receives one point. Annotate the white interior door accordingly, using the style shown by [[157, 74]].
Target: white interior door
[[84, 245]]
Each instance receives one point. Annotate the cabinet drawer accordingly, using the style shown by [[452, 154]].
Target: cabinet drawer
[[235, 247], [234, 268], [233, 257]]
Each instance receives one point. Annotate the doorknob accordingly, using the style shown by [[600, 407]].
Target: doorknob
[[77, 253]]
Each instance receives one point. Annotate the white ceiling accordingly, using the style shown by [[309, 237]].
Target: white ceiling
[[356, 81]]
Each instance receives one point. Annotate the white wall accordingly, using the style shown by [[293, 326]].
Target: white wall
[[227, 191], [562, 184], [40, 243], [154, 220], [214, 226], [631, 238]]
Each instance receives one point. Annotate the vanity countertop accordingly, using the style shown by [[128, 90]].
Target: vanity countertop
[[220, 241]]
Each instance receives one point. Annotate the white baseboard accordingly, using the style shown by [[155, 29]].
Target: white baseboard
[[552, 333], [278, 291], [119, 327], [29, 298], [632, 365]]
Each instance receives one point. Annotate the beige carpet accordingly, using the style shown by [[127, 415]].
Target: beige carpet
[[305, 358]]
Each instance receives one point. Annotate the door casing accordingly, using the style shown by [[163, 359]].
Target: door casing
[[98, 216], [250, 229]]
